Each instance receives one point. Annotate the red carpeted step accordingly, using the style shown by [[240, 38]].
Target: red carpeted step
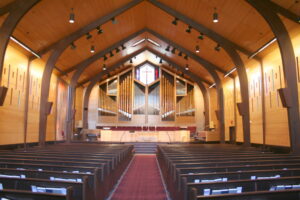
[[142, 181]]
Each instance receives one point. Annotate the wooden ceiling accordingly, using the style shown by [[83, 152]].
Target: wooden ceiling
[[47, 22]]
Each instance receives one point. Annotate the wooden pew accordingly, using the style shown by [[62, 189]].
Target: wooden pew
[[81, 190]]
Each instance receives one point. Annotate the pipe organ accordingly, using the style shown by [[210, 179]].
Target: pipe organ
[[144, 94], [125, 96]]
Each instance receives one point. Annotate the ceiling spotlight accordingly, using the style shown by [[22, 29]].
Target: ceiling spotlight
[[99, 30], [104, 58], [72, 17], [175, 21], [180, 53], [186, 67], [92, 49], [130, 61], [215, 16], [73, 46], [104, 67], [201, 36], [197, 49], [160, 61], [88, 36], [168, 48], [218, 47], [173, 50], [186, 57], [117, 50], [114, 21], [123, 47], [111, 54], [189, 29]]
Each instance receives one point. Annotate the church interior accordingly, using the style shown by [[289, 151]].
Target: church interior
[[149, 99]]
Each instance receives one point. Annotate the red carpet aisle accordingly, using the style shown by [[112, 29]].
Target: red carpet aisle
[[142, 181]]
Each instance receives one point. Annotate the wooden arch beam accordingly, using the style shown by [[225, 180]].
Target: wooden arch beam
[[284, 12], [16, 11], [201, 28], [57, 50], [231, 50], [289, 68], [96, 78]]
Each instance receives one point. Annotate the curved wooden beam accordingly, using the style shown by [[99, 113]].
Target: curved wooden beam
[[231, 50], [16, 11], [57, 50], [193, 77], [289, 68]]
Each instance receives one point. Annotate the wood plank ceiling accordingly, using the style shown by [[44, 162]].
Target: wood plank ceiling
[[47, 23]]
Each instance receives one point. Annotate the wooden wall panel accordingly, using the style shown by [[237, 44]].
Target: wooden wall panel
[[78, 105], [93, 108], [12, 113], [199, 106], [239, 122], [255, 99], [228, 89], [213, 107], [277, 132], [51, 122]]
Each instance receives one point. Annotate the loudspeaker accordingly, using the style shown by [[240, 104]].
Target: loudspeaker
[[285, 97], [3, 91], [85, 108], [241, 108], [217, 114], [49, 105]]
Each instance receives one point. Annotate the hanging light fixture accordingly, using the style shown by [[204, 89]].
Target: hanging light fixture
[[168, 48], [186, 67], [130, 61], [173, 50], [73, 46], [218, 47], [88, 36], [160, 61], [186, 57], [180, 53], [174, 22], [111, 54], [117, 50], [114, 21], [197, 49], [189, 29], [92, 49], [104, 67], [201, 36], [104, 58], [99, 30], [123, 47], [72, 17], [215, 16]]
